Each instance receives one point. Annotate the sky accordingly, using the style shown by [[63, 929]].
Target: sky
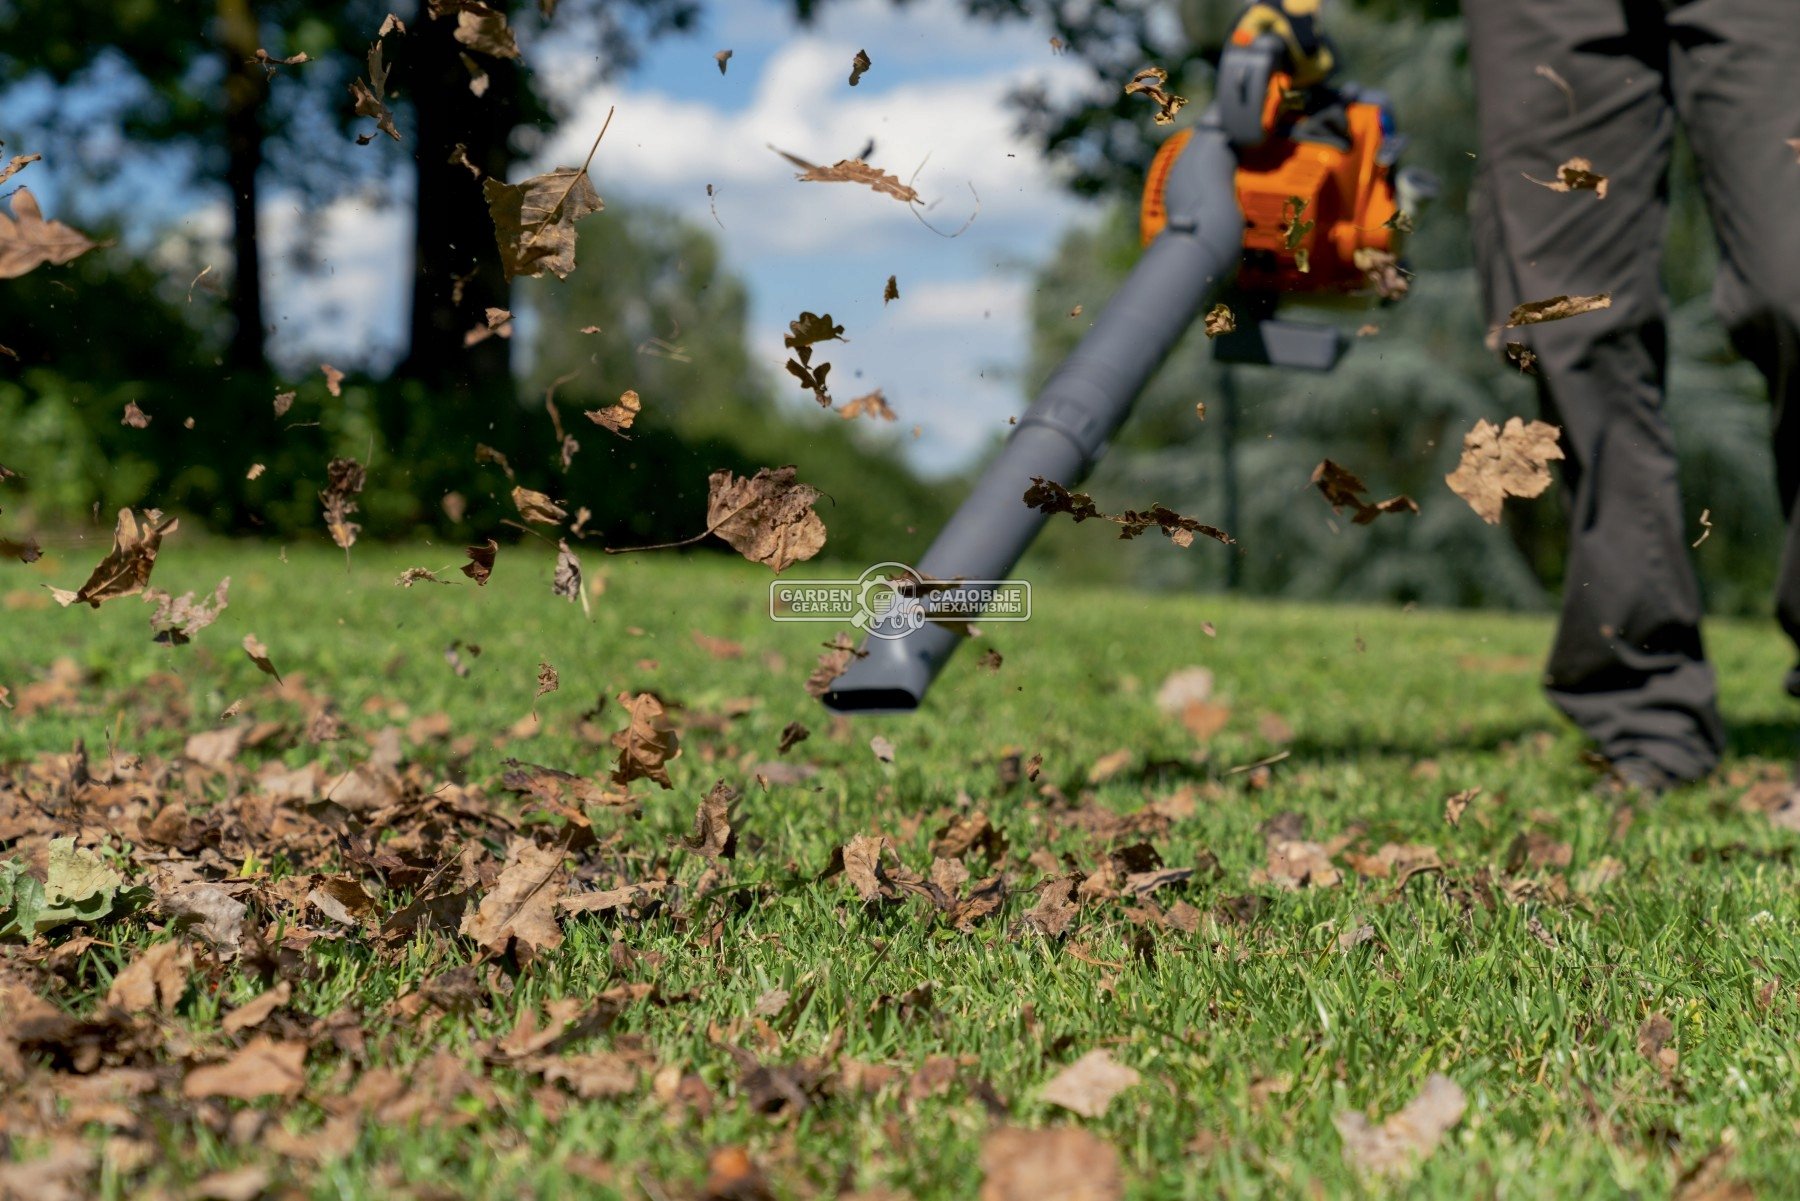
[[947, 354]]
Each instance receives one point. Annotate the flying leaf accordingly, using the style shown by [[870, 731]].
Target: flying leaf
[[566, 581], [125, 571], [17, 164], [1381, 268], [481, 562], [647, 742], [135, 417], [1576, 175], [343, 480], [722, 57], [713, 837], [519, 912], [484, 29], [1556, 308], [1343, 488], [809, 329], [417, 575], [28, 241], [1498, 462], [371, 98], [1088, 1085], [839, 653], [154, 980], [858, 65], [272, 66], [1220, 320], [547, 679], [1408, 1136], [767, 518], [852, 170], [497, 323], [535, 506], [177, 619], [892, 291], [283, 402], [1149, 82], [259, 655], [334, 382], [618, 417], [534, 221], [1049, 496], [873, 404]]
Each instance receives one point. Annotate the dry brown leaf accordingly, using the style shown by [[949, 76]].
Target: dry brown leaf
[[27, 241], [547, 679], [1342, 488], [892, 290], [520, 910], [1149, 82], [1794, 145], [535, 506], [154, 979], [713, 837], [1653, 1036], [767, 518], [483, 29], [1089, 1085], [647, 743], [618, 417], [534, 221], [1382, 270], [255, 472], [371, 98], [1408, 1136], [17, 164], [1051, 497], [283, 402], [852, 170], [1498, 462], [177, 619], [481, 562], [1576, 175], [259, 655], [722, 57], [874, 404], [1061, 1163], [257, 1010], [839, 653], [858, 65], [135, 417], [334, 384], [271, 65], [1457, 803], [882, 748], [344, 479], [125, 571], [1219, 320], [265, 1067], [565, 581], [1556, 308]]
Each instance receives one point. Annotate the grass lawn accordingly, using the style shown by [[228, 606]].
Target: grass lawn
[[873, 1048]]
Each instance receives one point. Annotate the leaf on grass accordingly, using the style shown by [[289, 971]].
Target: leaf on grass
[[481, 562], [207, 910], [882, 748], [265, 1067], [259, 655], [713, 837], [1498, 462], [535, 506], [618, 417], [1343, 488], [153, 980], [852, 170], [344, 479], [872, 405], [646, 744], [722, 57], [1653, 1037], [520, 910], [1576, 175], [1556, 308], [1149, 82], [1457, 803], [371, 98], [534, 221], [1048, 496], [767, 518], [17, 164], [177, 619], [1408, 1136], [258, 1009], [1059, 1163], [858, 65], [1089, 1085], [1220, 320], [125, 571], [27, 241]]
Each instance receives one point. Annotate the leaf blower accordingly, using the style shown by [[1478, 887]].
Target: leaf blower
[[1286, 186]]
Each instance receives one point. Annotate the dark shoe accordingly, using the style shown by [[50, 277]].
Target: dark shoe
[[1633, 777]]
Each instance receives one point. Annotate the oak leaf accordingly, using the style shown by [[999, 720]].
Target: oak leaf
[[28, 241], [371, 98], [767, 518], [17, 164], [1498, 462]]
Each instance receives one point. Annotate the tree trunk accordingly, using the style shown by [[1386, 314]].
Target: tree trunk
[[456, 264], [245, 88]]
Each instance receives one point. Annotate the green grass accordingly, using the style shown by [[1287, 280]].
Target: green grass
[[1249, 1035]]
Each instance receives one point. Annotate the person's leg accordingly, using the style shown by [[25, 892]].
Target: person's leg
[[1558, 79], [1736, 76]]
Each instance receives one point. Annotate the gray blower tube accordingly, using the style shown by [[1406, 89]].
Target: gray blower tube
[[1067, 427]]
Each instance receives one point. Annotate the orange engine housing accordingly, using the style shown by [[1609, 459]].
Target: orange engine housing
[[1348, 195]]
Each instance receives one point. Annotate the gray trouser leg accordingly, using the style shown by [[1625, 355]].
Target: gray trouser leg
[[1627, 664], [1736, 81]]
